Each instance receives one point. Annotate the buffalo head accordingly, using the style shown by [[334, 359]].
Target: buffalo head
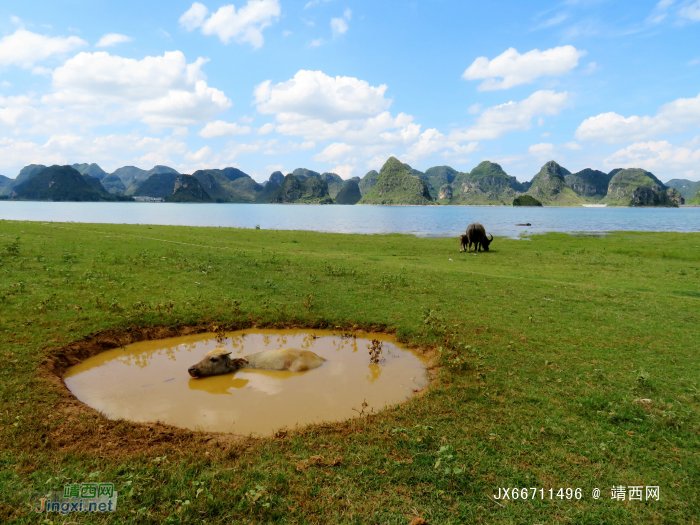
[[485, 243]]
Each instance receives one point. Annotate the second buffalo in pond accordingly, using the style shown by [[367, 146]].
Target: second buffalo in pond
[[476, 235]]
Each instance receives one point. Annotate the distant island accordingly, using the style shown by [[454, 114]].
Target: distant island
[[396, 183]]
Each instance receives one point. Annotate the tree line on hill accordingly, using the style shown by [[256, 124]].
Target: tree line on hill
[[396, 183]]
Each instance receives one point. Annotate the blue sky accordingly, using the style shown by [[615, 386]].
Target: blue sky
[[339, 85]]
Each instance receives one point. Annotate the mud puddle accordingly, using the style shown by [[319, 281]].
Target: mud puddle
[[148, 381]]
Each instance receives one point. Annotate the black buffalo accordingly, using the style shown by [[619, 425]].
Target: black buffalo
[[476, 234]]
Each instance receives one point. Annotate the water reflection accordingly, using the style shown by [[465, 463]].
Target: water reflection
[[214, 385], [148, 381]]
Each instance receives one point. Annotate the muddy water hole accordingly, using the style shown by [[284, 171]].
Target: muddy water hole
[[148, 382]]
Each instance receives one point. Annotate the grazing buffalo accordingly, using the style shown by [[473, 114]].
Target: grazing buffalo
[[219, 361], [476, 234]]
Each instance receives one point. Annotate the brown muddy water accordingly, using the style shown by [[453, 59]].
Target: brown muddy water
[[148, 381]]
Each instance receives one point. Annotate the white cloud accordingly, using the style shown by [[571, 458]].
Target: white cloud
[[674, 117], [333, 152], [112, 39], [312, 94], [574, 146], [686, 11], [39, 70], [315, 3], [266, 128], [246, 119], [590, 69], [459, 151], [220, 128], [23, 48], [429, 142], [198, 156], [542, 150], [660, 11], [662, 158], [515, 69], [474, 109], [316, 43], [244, 26], [555, 20], [194, 16], [286, 33], [496, 121], [339, 26], [546, 150], [345, 171], [349, 112], [112, 151], [161, 91], [691, 12]]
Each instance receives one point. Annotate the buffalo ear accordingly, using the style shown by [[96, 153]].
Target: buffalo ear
[[239, 362]]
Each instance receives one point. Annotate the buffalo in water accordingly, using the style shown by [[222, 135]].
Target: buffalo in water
[[476, 234]]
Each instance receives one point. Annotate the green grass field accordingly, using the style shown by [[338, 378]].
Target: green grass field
[[544, 352]]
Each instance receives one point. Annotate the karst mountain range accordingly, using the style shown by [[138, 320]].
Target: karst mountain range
[[396, 183]]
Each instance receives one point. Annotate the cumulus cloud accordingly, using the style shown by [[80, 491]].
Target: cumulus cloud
[[542, 150], [161, 91], [23, 48], [220, 128], [511, 69], [112, 39], [333, 152], [198, 156], [112, 150], [674, 117], [313, 94], [662, 158], [244, 26], [496, 121], [194, 16]]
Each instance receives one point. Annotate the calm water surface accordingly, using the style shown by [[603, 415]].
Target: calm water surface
[[424, 221], [117, 381]]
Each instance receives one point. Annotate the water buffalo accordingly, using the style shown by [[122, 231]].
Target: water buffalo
[[219, 361], [476, 234], [463, 242]]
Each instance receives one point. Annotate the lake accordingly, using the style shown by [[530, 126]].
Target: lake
[[424, 221]]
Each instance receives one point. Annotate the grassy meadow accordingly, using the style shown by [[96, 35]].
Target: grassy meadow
[[561, 361]]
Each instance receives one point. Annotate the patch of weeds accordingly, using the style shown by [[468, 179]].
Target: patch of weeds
[[339, 271], [308, 304], [12, 249], [388, 281], [258, 495], [447, 460]]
